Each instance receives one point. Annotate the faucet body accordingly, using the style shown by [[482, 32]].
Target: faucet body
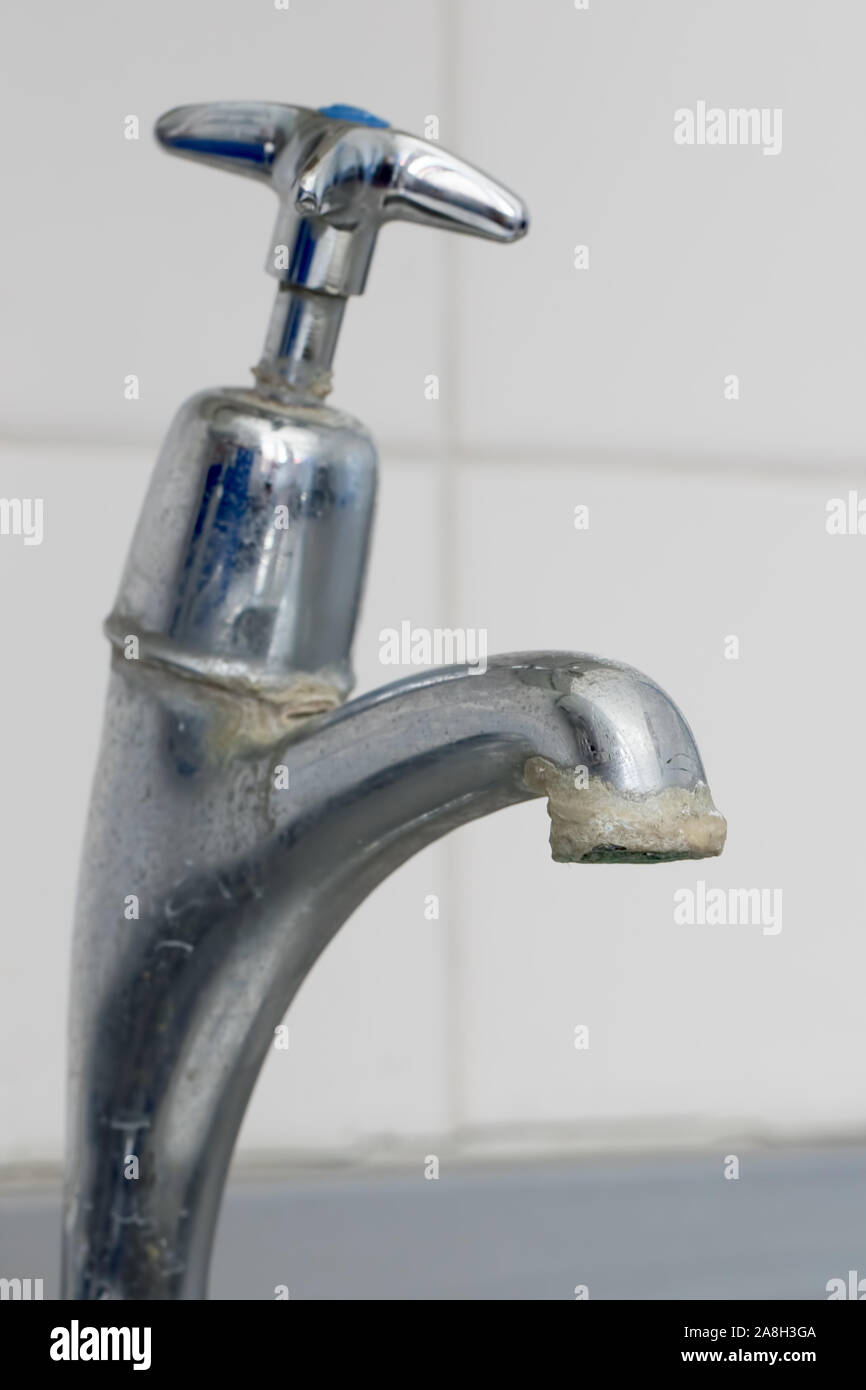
[[240, 810], [245, 858]]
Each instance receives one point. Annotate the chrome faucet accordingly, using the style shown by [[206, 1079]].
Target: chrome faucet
[[238, 814]]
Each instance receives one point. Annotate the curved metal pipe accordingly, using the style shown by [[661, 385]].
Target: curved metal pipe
[[228, 842]]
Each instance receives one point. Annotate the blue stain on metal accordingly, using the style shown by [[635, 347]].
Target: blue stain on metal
[[340, 112], [232, 512], [303, 250], [251, 152], [217, 538]]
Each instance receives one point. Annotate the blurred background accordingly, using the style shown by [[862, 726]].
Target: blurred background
[[600, 377]]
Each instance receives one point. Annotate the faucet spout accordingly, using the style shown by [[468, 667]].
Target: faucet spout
[[231, 836]]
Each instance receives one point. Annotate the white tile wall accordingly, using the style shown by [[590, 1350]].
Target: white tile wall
[[559, 387], [684, 1021], [703, 261]]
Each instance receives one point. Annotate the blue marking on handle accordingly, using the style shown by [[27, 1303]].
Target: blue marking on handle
[[341, 112]]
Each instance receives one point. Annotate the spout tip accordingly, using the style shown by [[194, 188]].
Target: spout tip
[[591, 822], [517, 225], [512, 221]]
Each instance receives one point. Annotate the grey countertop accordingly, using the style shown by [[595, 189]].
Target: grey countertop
[[656, 1227]]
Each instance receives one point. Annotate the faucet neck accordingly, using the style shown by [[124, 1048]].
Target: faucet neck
[[244, 877], [300, 342]]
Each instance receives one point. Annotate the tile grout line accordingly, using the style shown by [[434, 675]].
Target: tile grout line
[[737, 469], [450, 68]]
